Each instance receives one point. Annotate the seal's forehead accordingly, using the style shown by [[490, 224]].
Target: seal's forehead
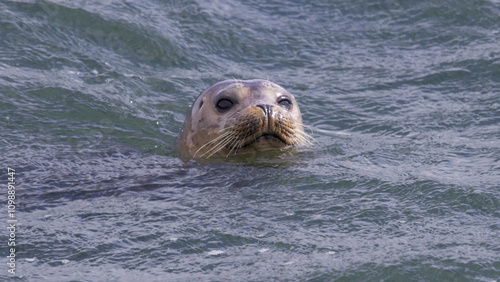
[[255, 87], [260, 83], [265, 87], [218, 87]]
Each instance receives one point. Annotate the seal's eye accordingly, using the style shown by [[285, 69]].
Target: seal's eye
[[224, 105], [285, 102]]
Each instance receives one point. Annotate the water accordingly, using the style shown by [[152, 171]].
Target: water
[[403, 97]]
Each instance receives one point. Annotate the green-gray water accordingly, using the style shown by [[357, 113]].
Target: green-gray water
[[402, 96]]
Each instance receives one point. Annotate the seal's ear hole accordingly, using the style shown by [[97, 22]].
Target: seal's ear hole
[[201, 104], [285, 102], [224, 105]]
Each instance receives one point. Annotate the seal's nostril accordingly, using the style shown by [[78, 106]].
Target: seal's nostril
[[266, 108]]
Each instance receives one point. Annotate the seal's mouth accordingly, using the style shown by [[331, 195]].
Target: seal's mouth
[[271, 139]]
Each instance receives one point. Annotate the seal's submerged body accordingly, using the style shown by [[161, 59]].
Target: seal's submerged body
[[236, 116]]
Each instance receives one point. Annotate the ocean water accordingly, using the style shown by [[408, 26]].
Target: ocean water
[[403, 98]]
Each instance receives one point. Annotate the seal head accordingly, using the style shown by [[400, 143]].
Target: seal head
[[236, 116]]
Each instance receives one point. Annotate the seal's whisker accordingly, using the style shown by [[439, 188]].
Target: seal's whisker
[[235, 146], [300, 140], [213, 142], [226, 129], [217, 147], [229, 138], [308, 127], [221, 144], [304, 138], [294, 142], [308, 136]]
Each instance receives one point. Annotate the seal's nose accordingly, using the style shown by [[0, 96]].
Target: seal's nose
[[266, 108], [268, 125]]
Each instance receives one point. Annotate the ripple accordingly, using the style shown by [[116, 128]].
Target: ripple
[[402, 97]]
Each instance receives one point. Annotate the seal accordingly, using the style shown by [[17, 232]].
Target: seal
[[235, 116]]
